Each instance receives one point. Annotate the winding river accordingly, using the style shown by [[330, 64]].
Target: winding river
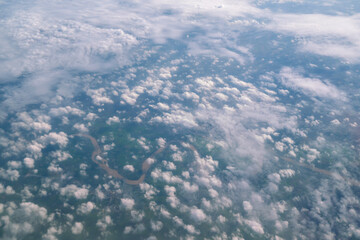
[[101, 162]]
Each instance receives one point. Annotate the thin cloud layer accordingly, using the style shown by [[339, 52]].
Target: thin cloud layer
[[309, 86]]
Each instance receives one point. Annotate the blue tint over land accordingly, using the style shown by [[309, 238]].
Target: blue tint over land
[[243, 116]]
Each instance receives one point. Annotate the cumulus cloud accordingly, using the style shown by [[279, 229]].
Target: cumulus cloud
[[197, 215], [127, 203], [255, 225], [156, 226], [22, 220], [104, 223], [171, 199], [190, 188], [113, 119], [9, 174], [149, 190], [25, 121], [81, 127], [74, 191], [77, 228], [99, 96], [29, 162], [86, 208], [66, 110], [129, 168], [179, 117], [56, 49], [55, 138]]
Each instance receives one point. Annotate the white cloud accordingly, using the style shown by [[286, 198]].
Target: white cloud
[[190, 188], [81, 127], [197, 214], [286, 173], [51, 233], [177, 117], [91, 117], [9, 174], [172, 199], [113, 119], [104, 223], [156, 226], [14, 164], [309, 86], [221, 97], [53, 168], [247, 206], [9, 190], [74, 191], [335, 122], [130, 96], [129, 168], [191, 95], [55, 138], [60, 155], [163, 106], [99, 96], [25, 121], [327, 35], [66, 110], [149, 190], [77, 228], [86, 208], [29, 162], [23, 220], [161, 142], [169, 165], [142, 142], [255, 225], [127, 203]]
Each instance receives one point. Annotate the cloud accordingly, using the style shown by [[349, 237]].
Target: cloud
[[77, 228], [86, 208], [255, 225], [60, 155], [178, 117], [104, 223], [45, 46], [113, 119], [55, 49], [29, 162], [156, 225], [74, 191], [22, 220], [197, 214], [14, 164], [286, 173], [129, 168], [171, 199], [327, 35], [127, 203], [9, 174], [25, 121], [310, 86], [150, 191], [99, 96], [55, 138], [66, 110], [247, 206]]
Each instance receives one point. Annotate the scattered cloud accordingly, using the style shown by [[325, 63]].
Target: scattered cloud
[[310, 86]]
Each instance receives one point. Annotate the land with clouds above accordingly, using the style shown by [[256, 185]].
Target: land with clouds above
[[255, 104]]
